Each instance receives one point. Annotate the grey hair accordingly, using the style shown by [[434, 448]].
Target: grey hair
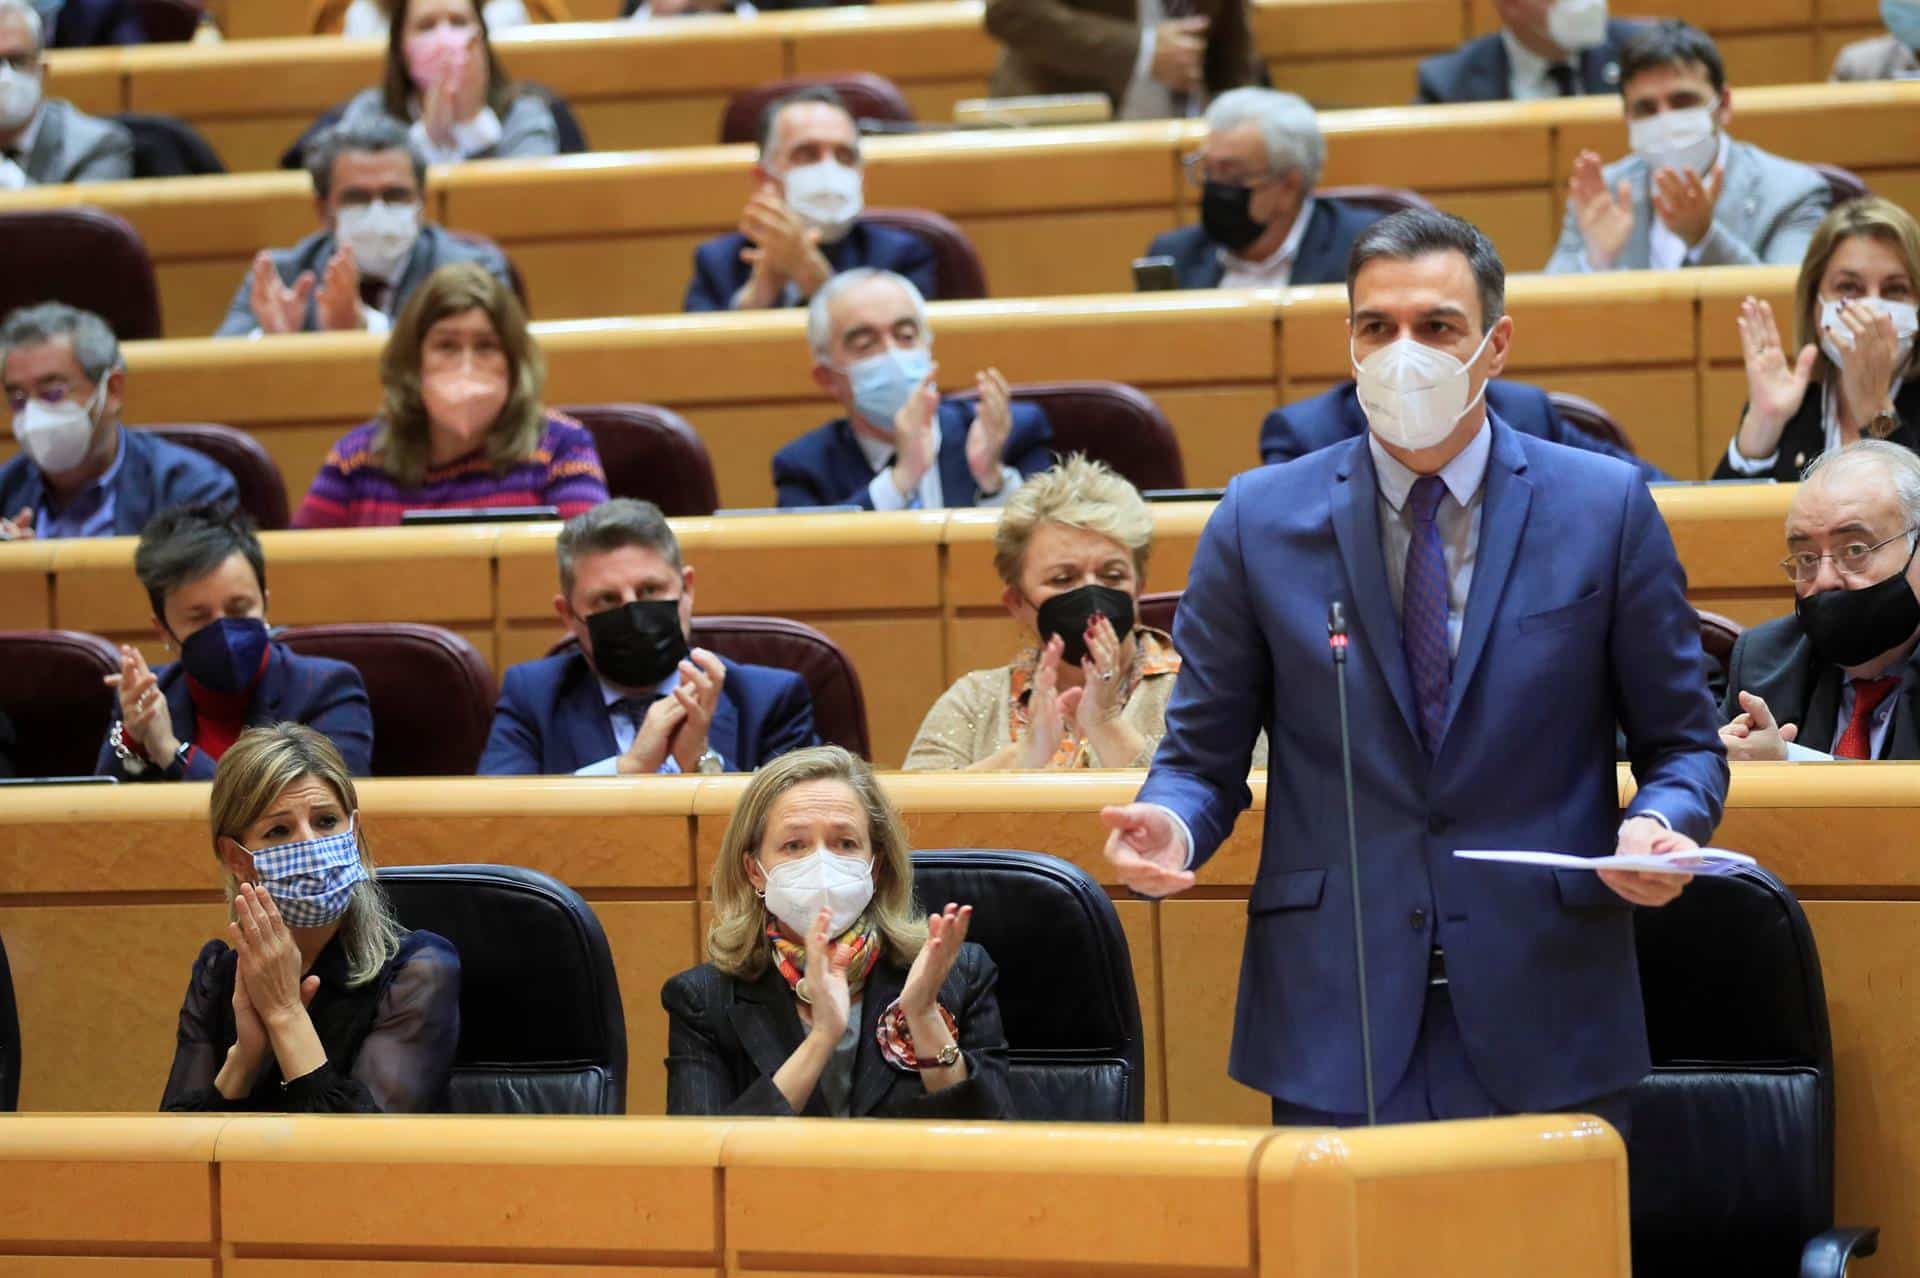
[[376, 133], [1899, 463], [618, 522], [1412, 233], [94, 344], [31, 17], [1288, 127], [820, 309]]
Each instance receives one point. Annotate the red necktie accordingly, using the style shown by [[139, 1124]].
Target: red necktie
[[1857, 741]]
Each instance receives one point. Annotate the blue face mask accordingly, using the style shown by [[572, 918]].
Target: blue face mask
[[1903, 20], [225, 655], [883, 383], [311, 882]]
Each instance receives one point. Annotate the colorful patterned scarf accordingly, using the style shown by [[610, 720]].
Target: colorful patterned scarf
[[1154, 654], [863, 938]]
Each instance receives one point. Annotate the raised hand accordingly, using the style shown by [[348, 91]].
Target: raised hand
[[829, 1001], [785, 246], [143, 709], [654, 739], [1775, 385], [20, 527], [1753, 735], [269, 959], [1605, 218], [1145, 849], [1179, 53], [987, 436], [698, 692], [946, 932], [1045, 725], [1684, 204], [914, 453], [1866, 378], [276, 307], [337, 305]]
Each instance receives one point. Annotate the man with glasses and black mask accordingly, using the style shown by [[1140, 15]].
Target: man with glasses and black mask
[[1836, 680], [633, 698]]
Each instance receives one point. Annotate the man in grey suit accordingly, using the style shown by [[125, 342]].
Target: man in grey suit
[[1689, 195], [372, 251], [42, 140]]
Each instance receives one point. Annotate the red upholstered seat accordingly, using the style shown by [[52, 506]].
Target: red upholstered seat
[[50, 687], [651, 453], [1387, 199], [431, 692], [85, 258], [263, 492], [1591, 418], [868, 97], [1110, 422], [958, 272]]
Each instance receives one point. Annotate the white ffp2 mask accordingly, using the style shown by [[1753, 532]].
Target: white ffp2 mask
[[1683, 139], [827, 194], [381, 236], [19, 96], [1575, 25], [1836, 339], [57, 436], [1412, 394], [797, 889]]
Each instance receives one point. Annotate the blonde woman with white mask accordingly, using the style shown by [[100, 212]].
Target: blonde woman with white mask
[[1855, 374], [825, 993]]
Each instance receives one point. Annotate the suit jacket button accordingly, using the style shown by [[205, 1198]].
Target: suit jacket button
[[1417, 920]]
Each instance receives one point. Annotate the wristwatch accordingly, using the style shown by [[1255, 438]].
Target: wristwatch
[[947, 1058], [1881, 425], [709, 762]]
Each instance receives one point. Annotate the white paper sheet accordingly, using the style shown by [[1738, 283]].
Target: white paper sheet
[[1698, 861]]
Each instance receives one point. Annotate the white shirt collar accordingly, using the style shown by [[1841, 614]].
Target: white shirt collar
[[1462, 476], [1289, 248]]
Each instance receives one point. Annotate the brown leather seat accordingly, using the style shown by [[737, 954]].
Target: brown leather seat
[[959, 275], [1110, 422], [868, 97], [50, 687], [1717, 636], [1845, 184], [839, 706], [431, 692], [84, 257], [1591, 418], [1386, 199], [263, 493], [1156, 610], [651, 453]]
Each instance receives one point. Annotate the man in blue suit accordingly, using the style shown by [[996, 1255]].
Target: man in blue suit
[[802, 223], [1331, 416], [901, 446], [1510, 600], [632, 698], [1261, 225], [86, 23], [79, 472], [1544, 49]]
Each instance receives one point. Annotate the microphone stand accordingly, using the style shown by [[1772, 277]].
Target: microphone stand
[[1337, 641]]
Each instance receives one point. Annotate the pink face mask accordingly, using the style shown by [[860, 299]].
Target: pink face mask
[[439, 55], [465, 403]]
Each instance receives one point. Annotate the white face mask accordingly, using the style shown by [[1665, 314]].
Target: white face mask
[[1836, 339], [827, 194], [1412, 394], [381, 236], [19, 97], [1577, 24], [797, 889], [57, 436], [1682, 139]]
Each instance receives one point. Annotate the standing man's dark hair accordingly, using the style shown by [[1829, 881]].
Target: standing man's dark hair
[[1418, 232], [1671, 42]]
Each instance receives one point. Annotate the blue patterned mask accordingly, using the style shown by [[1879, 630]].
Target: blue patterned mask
[[311, 882], [883, 383]]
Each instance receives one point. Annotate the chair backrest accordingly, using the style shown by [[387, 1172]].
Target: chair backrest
[[84, 257], [1157, 610], [431, 692], [652, 453], [1844, 184], [1591, 418], [1110, 422], [1731, 1154], [868, 97], [839, 705], [10, 1051], [1718, 635], [541, 1027], [164, 146], [1385, 199], [959, 274], [263, 493], [1066, 993], [50, 686], [170, 21], [514, 281]]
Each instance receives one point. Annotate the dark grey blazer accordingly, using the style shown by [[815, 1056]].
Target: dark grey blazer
[[1775, 662], [73, 146], [435, 248], [1478, 70], [726, 1038]]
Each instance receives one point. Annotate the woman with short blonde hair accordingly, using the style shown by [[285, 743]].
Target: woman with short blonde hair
[[321, 1002], [825, 991]]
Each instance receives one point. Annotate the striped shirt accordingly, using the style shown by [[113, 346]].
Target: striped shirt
[[353, 490]]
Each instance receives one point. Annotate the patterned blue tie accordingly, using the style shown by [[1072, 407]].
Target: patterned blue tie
[[1423, 610]]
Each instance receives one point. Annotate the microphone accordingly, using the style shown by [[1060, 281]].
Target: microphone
[[1337, 641]]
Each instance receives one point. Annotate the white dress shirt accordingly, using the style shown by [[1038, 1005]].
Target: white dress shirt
[[1276, 269], [931, 494], [626, 728], [13, 177], [1528, 78]]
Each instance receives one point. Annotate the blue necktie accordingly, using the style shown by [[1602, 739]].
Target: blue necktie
[[1423, 610], [634, 709]]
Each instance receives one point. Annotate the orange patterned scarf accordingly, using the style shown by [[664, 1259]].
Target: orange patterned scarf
[[791, 956]]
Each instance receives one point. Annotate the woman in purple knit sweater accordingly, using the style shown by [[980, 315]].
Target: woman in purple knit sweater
[[462, 426]]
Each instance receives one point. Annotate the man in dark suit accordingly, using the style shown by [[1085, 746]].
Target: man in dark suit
[[79, 472], [1544, 49], [1261, 226], [1838, 679], [1308, 425], [802, 224], [1509, 601], [632, 698], [901, 446], [87, 23], [44, 140], [372, 249]]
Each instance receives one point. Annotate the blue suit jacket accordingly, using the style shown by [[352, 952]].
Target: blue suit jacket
[[825, 466], [153, 475], [1478, 70], [1576, 619], [1322, 259], [85, 23], [1307, 425], [327, 696], [718, 271], [552, 719]]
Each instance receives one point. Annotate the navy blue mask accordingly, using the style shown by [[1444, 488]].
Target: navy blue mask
[[225, 655]]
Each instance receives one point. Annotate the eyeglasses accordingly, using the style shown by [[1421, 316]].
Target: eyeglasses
[[1851, 558], [22, 63], [1195, 167]]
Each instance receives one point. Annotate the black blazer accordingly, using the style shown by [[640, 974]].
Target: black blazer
[[1322, 259], [1805, 436], [1477, 71], [1775, 662], [727, 1037]]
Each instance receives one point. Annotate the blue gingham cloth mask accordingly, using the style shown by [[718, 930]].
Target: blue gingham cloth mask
[[312, 881]]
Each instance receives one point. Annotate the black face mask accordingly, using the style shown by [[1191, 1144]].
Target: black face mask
[[638, 644], [1224, 216], [1067, 615], [1852, 627]]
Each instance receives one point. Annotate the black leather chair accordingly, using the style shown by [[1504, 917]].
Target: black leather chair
[[431, 692], [9, 1039], [170, 21], [50, 686], [651, 453], [263, 491], [1066, 993], [868, 97], [164, 146], [1731, 1155], [86, 258], [1110, 422], [959, 274], [541, 1025]]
